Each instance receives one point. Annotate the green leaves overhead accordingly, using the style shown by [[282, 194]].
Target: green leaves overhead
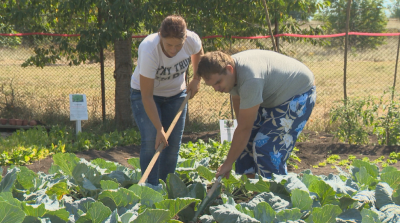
[[102, 22], [362, 19]]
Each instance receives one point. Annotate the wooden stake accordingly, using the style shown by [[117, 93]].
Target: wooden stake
[[346, 43]]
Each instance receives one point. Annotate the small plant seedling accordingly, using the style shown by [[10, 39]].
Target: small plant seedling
[[366, 159], [344, 163], [379, 160], [394, 155], [351, 157], [332, 159], [390, 161]]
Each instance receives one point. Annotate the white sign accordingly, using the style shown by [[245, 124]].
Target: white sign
[[227, 128], [78, 107]]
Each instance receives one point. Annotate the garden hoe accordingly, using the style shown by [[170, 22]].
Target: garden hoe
[[211, 195], [161, 146]]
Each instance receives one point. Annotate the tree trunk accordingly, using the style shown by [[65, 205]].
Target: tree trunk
[[277, 31], [122, 75], [277, 27]]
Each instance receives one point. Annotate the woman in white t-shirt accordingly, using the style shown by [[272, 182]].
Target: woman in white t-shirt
[[158, 89]]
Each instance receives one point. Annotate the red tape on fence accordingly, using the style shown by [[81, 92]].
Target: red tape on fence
[[220, 36], [41, 34], [312, 36]]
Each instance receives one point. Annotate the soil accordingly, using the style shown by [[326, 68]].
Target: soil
[[314, 150]]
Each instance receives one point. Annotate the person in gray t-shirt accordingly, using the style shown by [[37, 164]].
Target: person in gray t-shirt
[[273, 96]]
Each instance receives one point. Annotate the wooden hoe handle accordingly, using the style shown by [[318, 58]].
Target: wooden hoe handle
[[214, 187], [161, 146]]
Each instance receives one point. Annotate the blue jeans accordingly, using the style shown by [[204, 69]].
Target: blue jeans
[[167, 109]]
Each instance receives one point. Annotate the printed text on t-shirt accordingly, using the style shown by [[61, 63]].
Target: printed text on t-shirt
[[168, 73]]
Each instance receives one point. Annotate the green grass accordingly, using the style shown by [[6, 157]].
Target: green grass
[[43, 93]]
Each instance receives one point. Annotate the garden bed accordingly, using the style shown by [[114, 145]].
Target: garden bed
[[316, 148], [96, 189]]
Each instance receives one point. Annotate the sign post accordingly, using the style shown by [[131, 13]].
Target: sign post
[[227, 128], [78, 109]]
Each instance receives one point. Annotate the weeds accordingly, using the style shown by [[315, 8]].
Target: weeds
[[354, 117], [303, 137], [387, 126], [23, 147], [335, 160], [293, 157]]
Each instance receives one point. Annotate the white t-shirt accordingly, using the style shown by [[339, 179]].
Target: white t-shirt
[[168, 73]]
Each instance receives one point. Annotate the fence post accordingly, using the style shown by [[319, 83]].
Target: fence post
[[394, 85], [395, 68], [346, 43], [232, 115], [103, 93]]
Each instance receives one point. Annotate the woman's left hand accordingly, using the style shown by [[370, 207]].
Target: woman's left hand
[[194, 86]]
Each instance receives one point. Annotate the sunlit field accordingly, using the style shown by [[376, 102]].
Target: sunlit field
[[45, 91]]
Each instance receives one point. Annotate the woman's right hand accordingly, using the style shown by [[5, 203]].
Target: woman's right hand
[[161, 138]]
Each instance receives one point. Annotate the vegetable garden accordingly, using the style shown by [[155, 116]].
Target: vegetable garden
[[102, 191], [47, 37], [77, 190]]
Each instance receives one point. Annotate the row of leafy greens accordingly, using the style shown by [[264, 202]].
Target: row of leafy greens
[[76, 190]]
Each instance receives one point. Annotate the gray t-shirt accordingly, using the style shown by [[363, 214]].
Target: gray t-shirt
[[269, 78]]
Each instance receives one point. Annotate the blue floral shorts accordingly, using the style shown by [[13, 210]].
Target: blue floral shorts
[[274, 134]]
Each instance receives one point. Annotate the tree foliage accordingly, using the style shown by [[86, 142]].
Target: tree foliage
[[7, 29], [288, 16], [99, 23], [102, 23], [395, 9], [7, 41], [365, 16]]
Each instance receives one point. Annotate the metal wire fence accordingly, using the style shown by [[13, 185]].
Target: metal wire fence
[[42, 93]]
